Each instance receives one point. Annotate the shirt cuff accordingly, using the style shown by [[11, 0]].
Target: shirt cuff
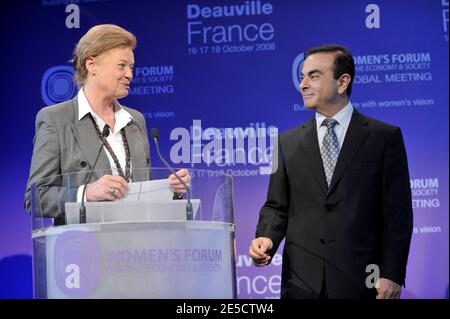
[[79, 193]]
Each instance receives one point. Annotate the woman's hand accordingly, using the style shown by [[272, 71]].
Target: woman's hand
[[107, 187], [175, 184]]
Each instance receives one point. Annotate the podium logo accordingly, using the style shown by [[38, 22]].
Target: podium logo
[[297, 66], [57, 84], [76, 263]]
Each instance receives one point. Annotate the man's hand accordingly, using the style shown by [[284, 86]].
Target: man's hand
[[387, 289], [258, 251], [175, 184]]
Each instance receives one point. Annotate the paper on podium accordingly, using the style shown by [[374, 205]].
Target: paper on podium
[[145, 201], [149, 190]]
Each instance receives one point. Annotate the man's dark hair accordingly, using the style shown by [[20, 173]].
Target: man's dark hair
[[343, 62]]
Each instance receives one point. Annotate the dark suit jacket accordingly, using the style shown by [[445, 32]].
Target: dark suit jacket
[[65, 145], [364, 217]]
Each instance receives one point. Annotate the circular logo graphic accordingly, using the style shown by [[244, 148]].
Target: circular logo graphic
[[297, 69], [76, 263], [57, 84]]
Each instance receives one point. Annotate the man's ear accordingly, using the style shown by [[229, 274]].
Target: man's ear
[[343, 82]]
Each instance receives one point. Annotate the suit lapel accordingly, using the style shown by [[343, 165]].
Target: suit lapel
[[137, 142], [136, 145], [310, 145], [356, 134], [88, 141]]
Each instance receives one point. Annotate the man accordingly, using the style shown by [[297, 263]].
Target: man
[[340, 194]]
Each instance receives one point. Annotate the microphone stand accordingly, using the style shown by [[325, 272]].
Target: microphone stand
[[189, 209], [105, 134]]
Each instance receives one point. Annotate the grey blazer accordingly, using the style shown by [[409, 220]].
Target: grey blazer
[[63, 144]]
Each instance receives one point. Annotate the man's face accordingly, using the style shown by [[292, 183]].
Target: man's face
[[114, 71], [318, 86]]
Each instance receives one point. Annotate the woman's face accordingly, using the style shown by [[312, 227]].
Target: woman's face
[[112, 71]]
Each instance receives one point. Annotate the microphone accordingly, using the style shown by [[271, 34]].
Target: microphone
[[189, 210], [105, 134]]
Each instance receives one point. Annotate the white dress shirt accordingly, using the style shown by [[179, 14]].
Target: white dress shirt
[[343, 117], [114, 138]]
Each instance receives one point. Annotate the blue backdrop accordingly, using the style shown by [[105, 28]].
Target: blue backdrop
[[234, 64]]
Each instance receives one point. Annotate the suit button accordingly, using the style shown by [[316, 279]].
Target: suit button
[[322, 241], [83, 164]]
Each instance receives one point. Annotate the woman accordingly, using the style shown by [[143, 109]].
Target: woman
[[68, 134]]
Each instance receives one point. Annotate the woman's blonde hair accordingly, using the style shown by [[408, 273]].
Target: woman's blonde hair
[[96, 41]]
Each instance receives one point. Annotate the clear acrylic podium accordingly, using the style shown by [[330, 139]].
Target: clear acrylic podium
[[141, 248]]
